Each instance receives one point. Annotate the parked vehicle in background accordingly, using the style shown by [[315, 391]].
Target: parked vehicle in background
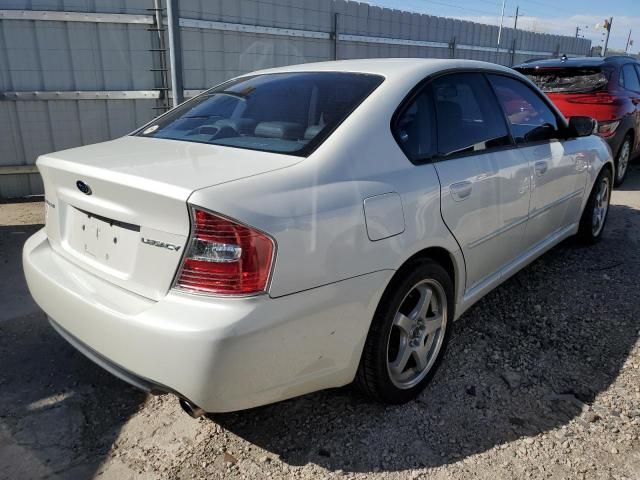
[[301, 227], [607, 89]]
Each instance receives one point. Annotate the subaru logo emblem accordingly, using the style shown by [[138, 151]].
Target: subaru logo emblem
[[83, 187]]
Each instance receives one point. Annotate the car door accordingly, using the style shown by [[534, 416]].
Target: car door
[[631, 76], [483, 178], [557, 165]]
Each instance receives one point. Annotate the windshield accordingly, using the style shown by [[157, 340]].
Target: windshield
[[284, 112], [567, 80]]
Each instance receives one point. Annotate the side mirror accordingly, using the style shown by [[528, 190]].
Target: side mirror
[[582, 126]]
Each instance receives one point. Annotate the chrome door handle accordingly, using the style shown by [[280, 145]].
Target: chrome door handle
[[541, 168], [461, 190]]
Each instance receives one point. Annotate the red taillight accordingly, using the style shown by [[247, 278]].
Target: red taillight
[[594, 99], [225, 257], [608, 129]]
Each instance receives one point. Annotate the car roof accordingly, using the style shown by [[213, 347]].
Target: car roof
[[389, 67], [574, 62]]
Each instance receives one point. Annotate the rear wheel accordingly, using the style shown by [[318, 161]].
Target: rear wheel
[[408, 334], [595, 212], [622, 160]]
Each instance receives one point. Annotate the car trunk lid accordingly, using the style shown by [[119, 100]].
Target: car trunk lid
[[119, 209]]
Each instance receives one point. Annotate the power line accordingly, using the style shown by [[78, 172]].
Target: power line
[[475, 10], [551, 6]]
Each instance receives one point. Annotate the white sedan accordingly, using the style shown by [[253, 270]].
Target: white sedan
[[309, 226]]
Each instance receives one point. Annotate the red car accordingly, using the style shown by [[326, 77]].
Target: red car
[[607, 89]]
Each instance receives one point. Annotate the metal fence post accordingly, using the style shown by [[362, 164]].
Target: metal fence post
[[334, 36], [175, 52], [452, 47], [158, 28]]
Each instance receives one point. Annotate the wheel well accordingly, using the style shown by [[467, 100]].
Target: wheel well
[[440, 255], [632, 133]]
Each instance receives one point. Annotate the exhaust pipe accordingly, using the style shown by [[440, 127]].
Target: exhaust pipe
[[192, 410]]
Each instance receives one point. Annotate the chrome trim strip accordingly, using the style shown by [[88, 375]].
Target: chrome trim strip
[[424, 43], [18, 169], [81, 95], [242, 28], [47, 15], [343, 37], [477, 291], [500, 231], [555, 203], [520, 221]]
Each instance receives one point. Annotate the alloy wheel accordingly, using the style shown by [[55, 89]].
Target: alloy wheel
[[600, 207], [417, 334], [623, 160]]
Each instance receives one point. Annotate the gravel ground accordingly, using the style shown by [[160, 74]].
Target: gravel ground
[[541, 380]]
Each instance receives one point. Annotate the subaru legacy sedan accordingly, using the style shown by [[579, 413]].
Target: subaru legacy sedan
[[310, 226]]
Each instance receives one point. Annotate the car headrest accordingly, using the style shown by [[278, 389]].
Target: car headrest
[[285, 130], [240, 125], [449, 113]]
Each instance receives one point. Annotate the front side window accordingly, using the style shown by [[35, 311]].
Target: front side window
[[630, 78], [283, 112], [530, 117], [467, 115]]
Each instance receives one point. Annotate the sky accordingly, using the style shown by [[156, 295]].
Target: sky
[[559, 17]]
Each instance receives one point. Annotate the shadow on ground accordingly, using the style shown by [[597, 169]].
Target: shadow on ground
[[522, 361], [59, 413]]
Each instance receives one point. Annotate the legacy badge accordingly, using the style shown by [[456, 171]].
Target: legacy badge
[[156, 243]]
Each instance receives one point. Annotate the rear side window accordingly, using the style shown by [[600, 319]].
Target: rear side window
[[568, 80], [415, 128], [530, 118], [285, 112], [467, 116], [629, 78]]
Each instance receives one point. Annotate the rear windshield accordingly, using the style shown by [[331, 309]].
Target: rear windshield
[[567, 80], [285, 112]]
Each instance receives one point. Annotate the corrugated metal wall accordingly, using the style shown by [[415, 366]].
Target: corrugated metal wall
[[88, 56], [63, 56]]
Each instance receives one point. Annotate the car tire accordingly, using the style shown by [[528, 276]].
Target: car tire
[[622, 160], [596, 210], [412, 324]]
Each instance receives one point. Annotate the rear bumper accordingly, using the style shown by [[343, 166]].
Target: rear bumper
[[222, 354]]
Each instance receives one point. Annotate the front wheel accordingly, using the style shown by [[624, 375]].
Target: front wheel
[[595, 212], [408, 334]]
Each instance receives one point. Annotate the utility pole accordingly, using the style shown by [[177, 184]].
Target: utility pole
[[607, 25], [628, 40], [515, 33], [577, 31], [500, 30], [175, 52]]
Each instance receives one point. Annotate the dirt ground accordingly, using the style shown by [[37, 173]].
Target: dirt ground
[[541, 380]]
